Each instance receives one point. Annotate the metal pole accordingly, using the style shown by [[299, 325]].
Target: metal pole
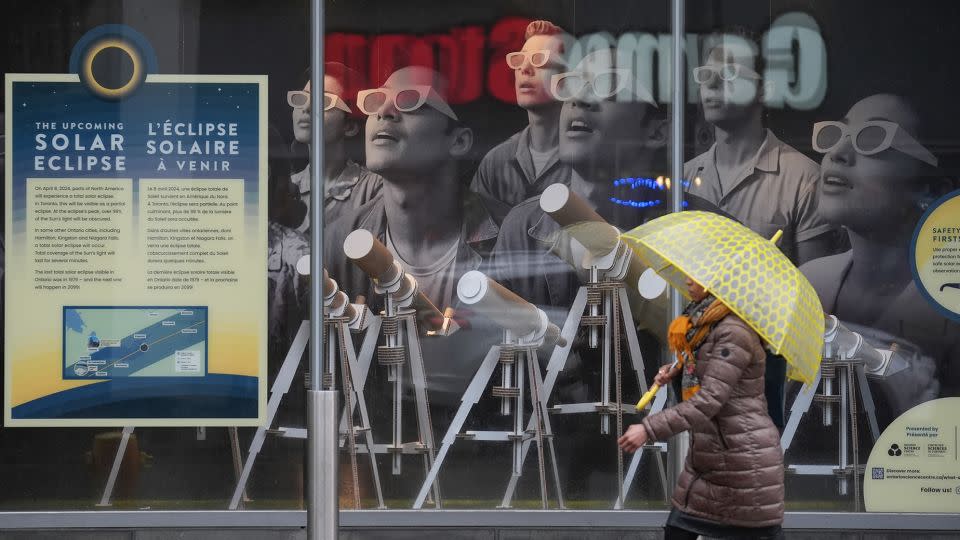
[[323, 519], [677, 446], [323, 522]]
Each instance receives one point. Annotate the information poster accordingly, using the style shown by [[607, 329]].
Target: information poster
[[135, 251], [915, 465]]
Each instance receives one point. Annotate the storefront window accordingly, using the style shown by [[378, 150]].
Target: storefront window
[[158, 177], [793, 130]]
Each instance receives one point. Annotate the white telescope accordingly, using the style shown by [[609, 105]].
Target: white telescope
[[850, 344], [371, 256], [336, 303], [525, 321]]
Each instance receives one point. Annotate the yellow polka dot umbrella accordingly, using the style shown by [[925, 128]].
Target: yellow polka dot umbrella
[[746, 272]]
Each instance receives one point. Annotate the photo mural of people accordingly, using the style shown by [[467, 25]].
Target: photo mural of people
[[426, 217], [468, 114], [610, 128], [430, 222], [877, 180], [526, 163], [348, 184], [750, 173]]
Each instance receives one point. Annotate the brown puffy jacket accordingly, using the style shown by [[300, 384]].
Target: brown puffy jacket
[[734, 470]]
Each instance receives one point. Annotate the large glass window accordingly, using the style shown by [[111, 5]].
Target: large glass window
[[489, 325], [793, 124]]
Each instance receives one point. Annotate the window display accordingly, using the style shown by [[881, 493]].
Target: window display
[[480, 164]]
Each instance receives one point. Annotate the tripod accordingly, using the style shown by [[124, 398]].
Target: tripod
[[122, 449], [402, 342], [518, 360], [842, 380], [353, 375], [608, 309]]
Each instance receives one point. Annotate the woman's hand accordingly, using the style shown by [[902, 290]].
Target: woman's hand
[[635, 437], [666, 374]]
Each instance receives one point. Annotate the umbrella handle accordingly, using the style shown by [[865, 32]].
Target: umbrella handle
[[776, 237], [648, 397]]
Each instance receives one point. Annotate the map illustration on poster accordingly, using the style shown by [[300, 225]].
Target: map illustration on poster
[[133, 211]]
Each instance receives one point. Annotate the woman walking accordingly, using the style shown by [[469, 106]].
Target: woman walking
[[732, 482]]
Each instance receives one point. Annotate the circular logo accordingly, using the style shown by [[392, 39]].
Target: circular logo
[[935, 255], [112, 68], [113, 61]]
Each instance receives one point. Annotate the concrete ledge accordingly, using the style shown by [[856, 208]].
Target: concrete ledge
[[421, 520]]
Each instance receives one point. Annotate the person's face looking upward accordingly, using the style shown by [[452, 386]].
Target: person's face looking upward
[[875, 193], [418, 141], [601, 113], [337, 124], [301, 120], [729, 86], [533, 68]]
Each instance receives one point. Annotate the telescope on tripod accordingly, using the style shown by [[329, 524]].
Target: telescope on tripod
[[400, 352], [848, 362], [341, 319], [602, 307], [525, 330]]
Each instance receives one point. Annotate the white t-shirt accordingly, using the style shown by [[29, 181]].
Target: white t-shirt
[[438, 280], [540, 159]]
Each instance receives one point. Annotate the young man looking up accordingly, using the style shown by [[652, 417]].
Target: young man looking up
[[348, 184], [525, 164], [748, 172]]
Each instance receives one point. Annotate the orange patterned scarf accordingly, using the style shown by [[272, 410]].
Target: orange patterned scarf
[[688, 331]]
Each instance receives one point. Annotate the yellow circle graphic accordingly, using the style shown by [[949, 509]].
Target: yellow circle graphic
[[936, 255], [96, 86]]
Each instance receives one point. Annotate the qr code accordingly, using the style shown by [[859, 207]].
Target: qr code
[[877, 473]]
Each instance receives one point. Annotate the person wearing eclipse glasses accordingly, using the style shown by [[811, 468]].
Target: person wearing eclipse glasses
[[751, 174], [610, 128], [526, 163], [748, 172], [877, 180], [433, 225], [348, 184]]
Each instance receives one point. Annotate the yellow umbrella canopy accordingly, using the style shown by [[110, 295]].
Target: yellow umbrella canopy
[[743, 270]]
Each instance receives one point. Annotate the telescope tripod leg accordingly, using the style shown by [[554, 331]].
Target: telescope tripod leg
[[363, 361], [237, 458], [470, 398], [558, 361], [633, 341], [607, 362], [361, 403], [636, 360], [866, 399], [846, 427], [424, 425], [559, 356], [115, 469], [280, 387], [536, 382], [343, 345], [395, 376], [658, 403], [799, 408]]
